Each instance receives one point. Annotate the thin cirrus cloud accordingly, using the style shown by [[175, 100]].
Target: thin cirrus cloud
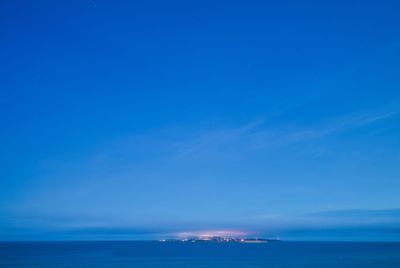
[[174, 147], [258, 135], [103, 183], [354, 224], [189, 144]]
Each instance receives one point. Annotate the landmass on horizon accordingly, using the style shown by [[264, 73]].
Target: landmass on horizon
[[220, 239]]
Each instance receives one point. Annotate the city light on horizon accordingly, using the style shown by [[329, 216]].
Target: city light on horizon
[[212, 233]]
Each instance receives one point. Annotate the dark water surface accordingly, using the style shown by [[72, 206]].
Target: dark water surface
[[175, 254]]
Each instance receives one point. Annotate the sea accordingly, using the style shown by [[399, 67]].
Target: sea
[[149, 254]]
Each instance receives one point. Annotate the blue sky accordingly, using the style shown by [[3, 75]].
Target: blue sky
[[125, 120]]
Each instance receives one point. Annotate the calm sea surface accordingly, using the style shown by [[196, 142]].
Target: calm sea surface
[[156, 254]]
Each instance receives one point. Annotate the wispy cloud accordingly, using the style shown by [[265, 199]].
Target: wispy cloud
[[357, 216], [169, 157], [353, 225], [333, 126], [356, 224], [216, 139], [260, 135]]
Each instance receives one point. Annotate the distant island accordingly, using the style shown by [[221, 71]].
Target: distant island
[[219, 239]]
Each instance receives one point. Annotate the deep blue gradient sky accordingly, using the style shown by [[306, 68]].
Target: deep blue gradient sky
[[141, 119]]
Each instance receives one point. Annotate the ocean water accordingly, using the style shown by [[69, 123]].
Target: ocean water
[[201, 255]]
